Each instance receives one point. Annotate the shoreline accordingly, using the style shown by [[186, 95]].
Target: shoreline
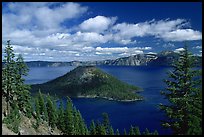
[[110, 99]]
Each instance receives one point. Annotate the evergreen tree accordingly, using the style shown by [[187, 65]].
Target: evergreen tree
[[82, 125], [37, 112], [76, 129], [125, 132], [131, 132], [51, 112], [42, 107], [111, 131], [184, 94], [117, 132], [69, 123], [13, 83], [13, 119], [195, 110], [106, 122], [87, 131], [60, 117], [22, 90], [155, 132], [92, 128], [137, 131], [146, 132], [100, 129], [8, 76], [29, 109]]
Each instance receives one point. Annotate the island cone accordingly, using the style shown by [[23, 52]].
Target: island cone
[[90, 82]]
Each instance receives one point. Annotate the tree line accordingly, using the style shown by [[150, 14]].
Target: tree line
[[184, 111]]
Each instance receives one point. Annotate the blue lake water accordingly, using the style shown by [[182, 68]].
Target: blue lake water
[[144, 114]]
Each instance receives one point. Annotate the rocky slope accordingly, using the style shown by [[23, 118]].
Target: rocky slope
[[26, 126], [136, 60]]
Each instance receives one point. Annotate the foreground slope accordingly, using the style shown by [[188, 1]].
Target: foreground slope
[[89, 81], [26, 125]]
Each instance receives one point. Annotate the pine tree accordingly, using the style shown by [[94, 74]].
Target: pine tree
[[37, 112], [29, 109], [76, 129], [8, 76], [117, 132], [184, 94], [92, 128], [125, 132], [22, 90], [131, 132], [13, 119], [60, 117], [106, 122], [87, 131], [195, 110], [42, 107], [146, 132], [51, 112], [137, 131], [82, 125], [100, 129], [155, 132], [69, 125], [111, 131], [13, 83]]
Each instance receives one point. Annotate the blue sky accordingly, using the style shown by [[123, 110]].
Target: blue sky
[[100, 30]]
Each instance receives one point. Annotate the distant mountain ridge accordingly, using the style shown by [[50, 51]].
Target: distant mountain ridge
[[164, 58], [136, 60]]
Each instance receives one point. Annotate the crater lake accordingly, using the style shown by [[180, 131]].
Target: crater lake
[[144, 114]]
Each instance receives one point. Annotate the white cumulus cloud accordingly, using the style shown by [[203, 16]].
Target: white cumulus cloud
[[182, 35], [45, 31], [97, 24], [168, 30]]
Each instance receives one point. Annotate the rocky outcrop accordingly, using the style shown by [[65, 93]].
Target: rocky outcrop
[[136, 60]]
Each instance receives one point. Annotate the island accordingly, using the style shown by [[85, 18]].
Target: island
[[89, 82]]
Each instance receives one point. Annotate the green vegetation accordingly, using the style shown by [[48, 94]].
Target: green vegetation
[[51, 112], [15, 92], [183, 92], [8, 77], [13, 119], [43, 108], [185, 96], [89, 81]]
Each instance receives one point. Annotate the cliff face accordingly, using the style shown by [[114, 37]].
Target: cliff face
[[164, 58], [136, 60]]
